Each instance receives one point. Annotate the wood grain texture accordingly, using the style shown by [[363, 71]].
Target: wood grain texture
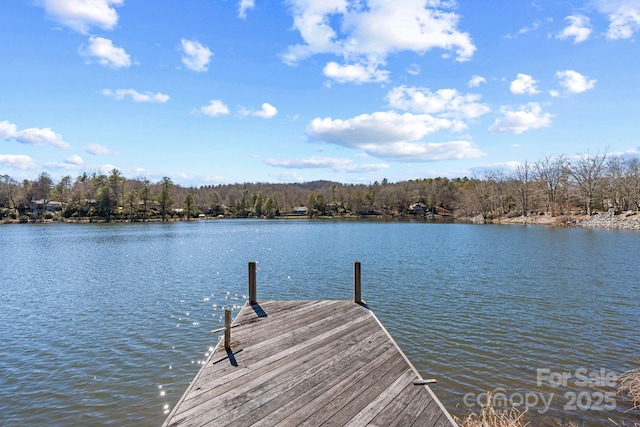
[[309, 363]]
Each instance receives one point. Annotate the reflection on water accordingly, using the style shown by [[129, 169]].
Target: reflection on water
[[107, 324]]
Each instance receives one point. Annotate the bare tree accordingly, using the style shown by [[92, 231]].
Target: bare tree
[[550, 172], [614, 185], [523, 174], [632, 181], [587, 173], [499, 189], [550, 184], [481, 192]]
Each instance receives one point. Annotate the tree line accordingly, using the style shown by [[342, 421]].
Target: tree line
[[554, 185]]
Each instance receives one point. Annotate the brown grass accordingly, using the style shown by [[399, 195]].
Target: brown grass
[[489, 416], [623, 424], [629, 385]]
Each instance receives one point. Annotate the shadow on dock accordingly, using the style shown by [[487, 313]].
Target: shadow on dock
[[259, 311], [326, 362]]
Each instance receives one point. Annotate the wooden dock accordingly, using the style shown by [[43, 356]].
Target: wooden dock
[[310, 363]]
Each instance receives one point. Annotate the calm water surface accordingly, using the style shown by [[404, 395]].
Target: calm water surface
[[107, 324]]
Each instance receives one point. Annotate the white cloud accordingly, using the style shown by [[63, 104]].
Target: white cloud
[[244, 6], [215, 108], [31, 136], [268, 111], [98, 150], [81, 15], [533, 27], [523, 84], [525, 118], [476, 81], [574, 82], [195, 56], [414, 70], [106, 53], [623, 15], [355, 73], [365, 34], [366, 167], [136, 96], [288, 177], [17, 161], [338, 165], [425, 152], [376, 128], [310, 163], [390, 26], [74, 160], [444, 102], [66, 165], [579, 29], [392, 136]]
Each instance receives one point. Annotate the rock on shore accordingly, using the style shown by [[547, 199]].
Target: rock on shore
[[624, 221]]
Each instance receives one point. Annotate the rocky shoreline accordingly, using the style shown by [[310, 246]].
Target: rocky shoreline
[[623, 221]]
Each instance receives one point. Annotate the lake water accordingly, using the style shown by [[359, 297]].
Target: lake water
[[107, 324]]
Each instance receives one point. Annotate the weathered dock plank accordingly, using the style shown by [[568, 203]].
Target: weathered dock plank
[[307, 363]]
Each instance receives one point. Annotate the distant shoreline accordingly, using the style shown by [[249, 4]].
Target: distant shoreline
[[624, 221]]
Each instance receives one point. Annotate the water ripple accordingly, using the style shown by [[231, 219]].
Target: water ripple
[[107, 324]]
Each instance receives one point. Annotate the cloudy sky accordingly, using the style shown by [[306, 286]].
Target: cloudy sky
[[225, 91]]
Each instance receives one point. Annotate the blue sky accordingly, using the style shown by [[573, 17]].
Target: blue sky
[[225, 91]]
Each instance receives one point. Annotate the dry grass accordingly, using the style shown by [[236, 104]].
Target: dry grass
[[629, 385], [489, 416], [623, 424]]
